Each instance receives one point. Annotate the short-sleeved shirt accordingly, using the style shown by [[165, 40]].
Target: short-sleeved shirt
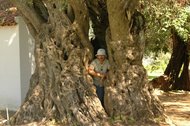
[[100, 68]]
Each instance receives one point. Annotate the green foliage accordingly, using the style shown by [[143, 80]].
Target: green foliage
[[157, 35], [161, 16], [181, 23]]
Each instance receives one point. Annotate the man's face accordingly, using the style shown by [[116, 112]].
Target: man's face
[[101, 58]]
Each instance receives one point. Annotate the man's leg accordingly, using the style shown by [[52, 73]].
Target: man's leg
[[100, 93]]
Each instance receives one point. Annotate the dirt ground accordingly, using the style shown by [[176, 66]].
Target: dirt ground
[[176, 105]]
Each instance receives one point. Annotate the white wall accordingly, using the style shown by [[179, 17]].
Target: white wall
[[26, 57], [16, 64], [9, 67]]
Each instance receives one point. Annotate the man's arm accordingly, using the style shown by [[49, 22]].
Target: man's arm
[[94, 73]]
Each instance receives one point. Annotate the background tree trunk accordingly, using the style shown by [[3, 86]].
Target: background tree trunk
[[177, 68], [60, 88]]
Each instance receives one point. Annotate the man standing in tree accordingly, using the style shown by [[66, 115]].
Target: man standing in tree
[[99, 69]]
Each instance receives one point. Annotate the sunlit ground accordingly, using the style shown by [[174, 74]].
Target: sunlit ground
[[177, 106]]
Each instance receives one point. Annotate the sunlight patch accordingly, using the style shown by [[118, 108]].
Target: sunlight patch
[[11, 39]]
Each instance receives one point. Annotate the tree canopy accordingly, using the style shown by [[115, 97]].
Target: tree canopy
[[161, 17]]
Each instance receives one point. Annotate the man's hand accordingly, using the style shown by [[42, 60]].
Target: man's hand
[[97, 74], [102, 76]]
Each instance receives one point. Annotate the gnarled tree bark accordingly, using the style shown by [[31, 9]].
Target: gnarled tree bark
[[128, 94], [61, 89]]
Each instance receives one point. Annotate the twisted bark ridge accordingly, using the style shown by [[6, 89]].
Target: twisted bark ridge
[[61, 89]]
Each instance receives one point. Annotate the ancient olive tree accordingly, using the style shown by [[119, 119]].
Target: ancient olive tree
[[61, 88]]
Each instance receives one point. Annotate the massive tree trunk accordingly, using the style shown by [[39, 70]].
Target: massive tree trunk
[[128, 91], [60, 88]]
